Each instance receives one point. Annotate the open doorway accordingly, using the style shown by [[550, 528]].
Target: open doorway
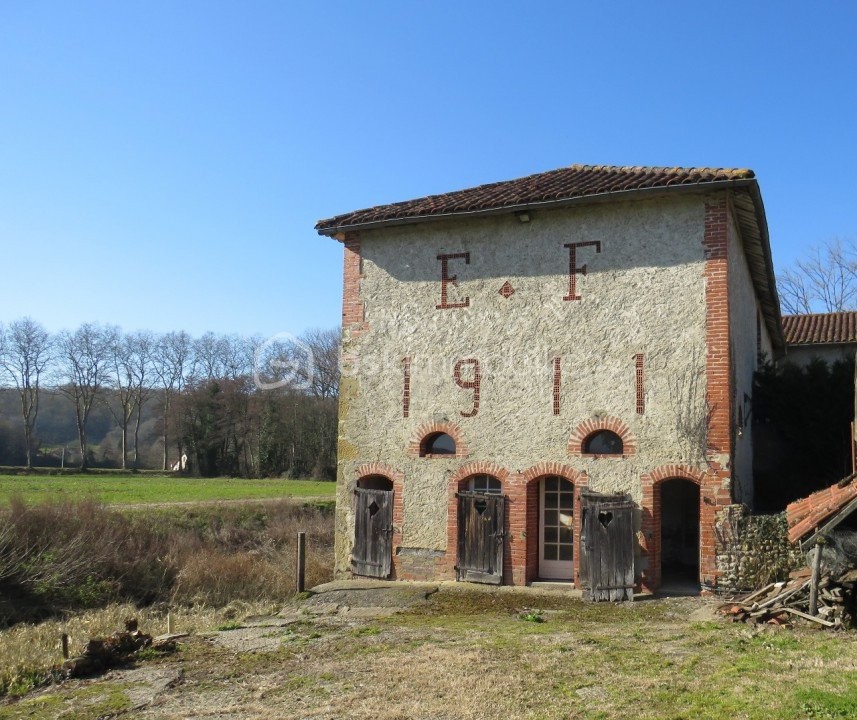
[[679, 535]]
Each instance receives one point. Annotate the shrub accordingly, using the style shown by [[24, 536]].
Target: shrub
[[64, 555]]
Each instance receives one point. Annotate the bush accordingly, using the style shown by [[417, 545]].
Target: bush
[[64, 555]]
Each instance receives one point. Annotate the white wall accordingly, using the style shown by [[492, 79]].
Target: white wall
[[743, 324]]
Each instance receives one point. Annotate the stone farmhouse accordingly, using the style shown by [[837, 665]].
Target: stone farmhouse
[[511, 347]]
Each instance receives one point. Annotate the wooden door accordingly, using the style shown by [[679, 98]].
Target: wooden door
[[607, 546], [373, 532], [480, 537]]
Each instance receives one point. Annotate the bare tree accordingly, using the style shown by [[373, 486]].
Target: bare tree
[[117, 372], [172, 361], [84, 356], [142, 345], [25, 353], [128, 372], [826, 281], [324, 345], [210, 354]]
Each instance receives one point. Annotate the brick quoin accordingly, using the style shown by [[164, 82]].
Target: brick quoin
[[718, 371], [353, 313], [719, 379], [593, 425], [397, 478]]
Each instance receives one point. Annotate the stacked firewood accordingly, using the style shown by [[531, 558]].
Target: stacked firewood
[[783, 603]]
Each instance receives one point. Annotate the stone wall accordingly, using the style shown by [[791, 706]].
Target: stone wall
[[479, 350], [753, 550]]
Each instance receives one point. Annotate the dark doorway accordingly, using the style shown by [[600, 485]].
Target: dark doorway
[[679, 534]]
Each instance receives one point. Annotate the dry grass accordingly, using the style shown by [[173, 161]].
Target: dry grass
[[470, 655], [29, 650], [70, 555]]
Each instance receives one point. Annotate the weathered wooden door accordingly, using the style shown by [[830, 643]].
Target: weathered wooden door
[[373, 532], [480, 537], [607, 546]]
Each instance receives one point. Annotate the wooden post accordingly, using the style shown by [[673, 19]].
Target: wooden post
[[813, 586], [64, 638], [169, 623], [301, 564]]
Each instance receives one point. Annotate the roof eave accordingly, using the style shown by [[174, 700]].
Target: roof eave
[[544, 204], [765, 283]]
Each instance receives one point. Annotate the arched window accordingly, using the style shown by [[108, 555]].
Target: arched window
[[375, 482], [603, 442], [438, 444], [487, 484]]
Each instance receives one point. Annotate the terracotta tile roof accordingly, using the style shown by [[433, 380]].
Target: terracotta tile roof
[[576, 181], [838, 327], [807, 514]]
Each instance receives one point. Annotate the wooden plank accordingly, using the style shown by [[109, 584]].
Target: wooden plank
[[805, 616], [757, 593]]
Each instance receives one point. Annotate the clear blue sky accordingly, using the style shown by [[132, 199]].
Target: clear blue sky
[[162, 164]]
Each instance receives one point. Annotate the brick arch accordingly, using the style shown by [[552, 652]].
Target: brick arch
[[673, 472], [592, 425], [430, 428], [454, 484], [711, 498], [554, 468], [526, 517], [397, 478], [478, 467]]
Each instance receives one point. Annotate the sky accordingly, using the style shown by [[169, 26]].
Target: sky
[[162, 164]]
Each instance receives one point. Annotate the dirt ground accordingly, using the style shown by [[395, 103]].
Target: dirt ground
[[407, 650]]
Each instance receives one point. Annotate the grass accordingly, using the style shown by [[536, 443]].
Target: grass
[[467, 654], [125, 489]]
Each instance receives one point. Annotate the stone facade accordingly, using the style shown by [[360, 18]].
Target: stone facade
[[522, 339]]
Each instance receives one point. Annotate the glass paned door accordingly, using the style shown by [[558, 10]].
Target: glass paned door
[[556, 534]]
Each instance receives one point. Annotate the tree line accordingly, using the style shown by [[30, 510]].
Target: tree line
[[231, 405]]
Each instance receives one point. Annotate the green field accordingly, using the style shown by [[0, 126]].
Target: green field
[[136, 489]]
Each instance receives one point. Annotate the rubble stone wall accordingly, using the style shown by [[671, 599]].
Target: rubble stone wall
[[752, 550]]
